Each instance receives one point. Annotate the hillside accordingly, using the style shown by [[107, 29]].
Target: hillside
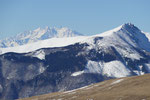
[[129, 88], [51, 65]]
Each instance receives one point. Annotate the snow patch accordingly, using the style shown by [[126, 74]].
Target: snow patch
[[70, 91], [139, 71], [40, 54], [1, 88], [94, 67], [111, 69], [117, 81], [77, 73], [116, 69], [148, 67]]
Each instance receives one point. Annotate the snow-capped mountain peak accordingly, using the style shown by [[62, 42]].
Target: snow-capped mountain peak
[[127, 27], [128, 34], [130, 25], [131, 28], [37, 35], [55, 32], [136, 36]]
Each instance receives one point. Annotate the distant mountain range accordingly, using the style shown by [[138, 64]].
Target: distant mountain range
[[60, 64], [37, 35]]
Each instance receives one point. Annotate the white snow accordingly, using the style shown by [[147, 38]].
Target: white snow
[[40, 54], [70, 91], [53, 42], [147, 65], [139, 71], [116, 69], [110, 32], [147, 35], [117, 81], [77, 73], [94, 67], [111, 69]]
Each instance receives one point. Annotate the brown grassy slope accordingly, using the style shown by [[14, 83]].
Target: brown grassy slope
[[129, 88]]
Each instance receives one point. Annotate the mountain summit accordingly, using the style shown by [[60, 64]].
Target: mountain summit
[[37, 35], [128, 34]]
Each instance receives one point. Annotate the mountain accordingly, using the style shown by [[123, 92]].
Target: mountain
[[37, 35], [117, 53], [130, 88]]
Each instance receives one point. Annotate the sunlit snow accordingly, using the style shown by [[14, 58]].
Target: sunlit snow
[[110, 69], [77, 73]]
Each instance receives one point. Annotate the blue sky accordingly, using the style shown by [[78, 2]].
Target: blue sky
[[86, 16]]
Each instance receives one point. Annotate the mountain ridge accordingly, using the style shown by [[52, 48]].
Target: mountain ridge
[[37, 35], [123, 34]]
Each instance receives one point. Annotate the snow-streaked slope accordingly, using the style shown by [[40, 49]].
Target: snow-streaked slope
[[114, 69], [147, 35], [37, 35], [128, 35], [126, 39], [53, 42]]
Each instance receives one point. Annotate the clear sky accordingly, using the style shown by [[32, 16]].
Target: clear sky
[[85, 16]]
